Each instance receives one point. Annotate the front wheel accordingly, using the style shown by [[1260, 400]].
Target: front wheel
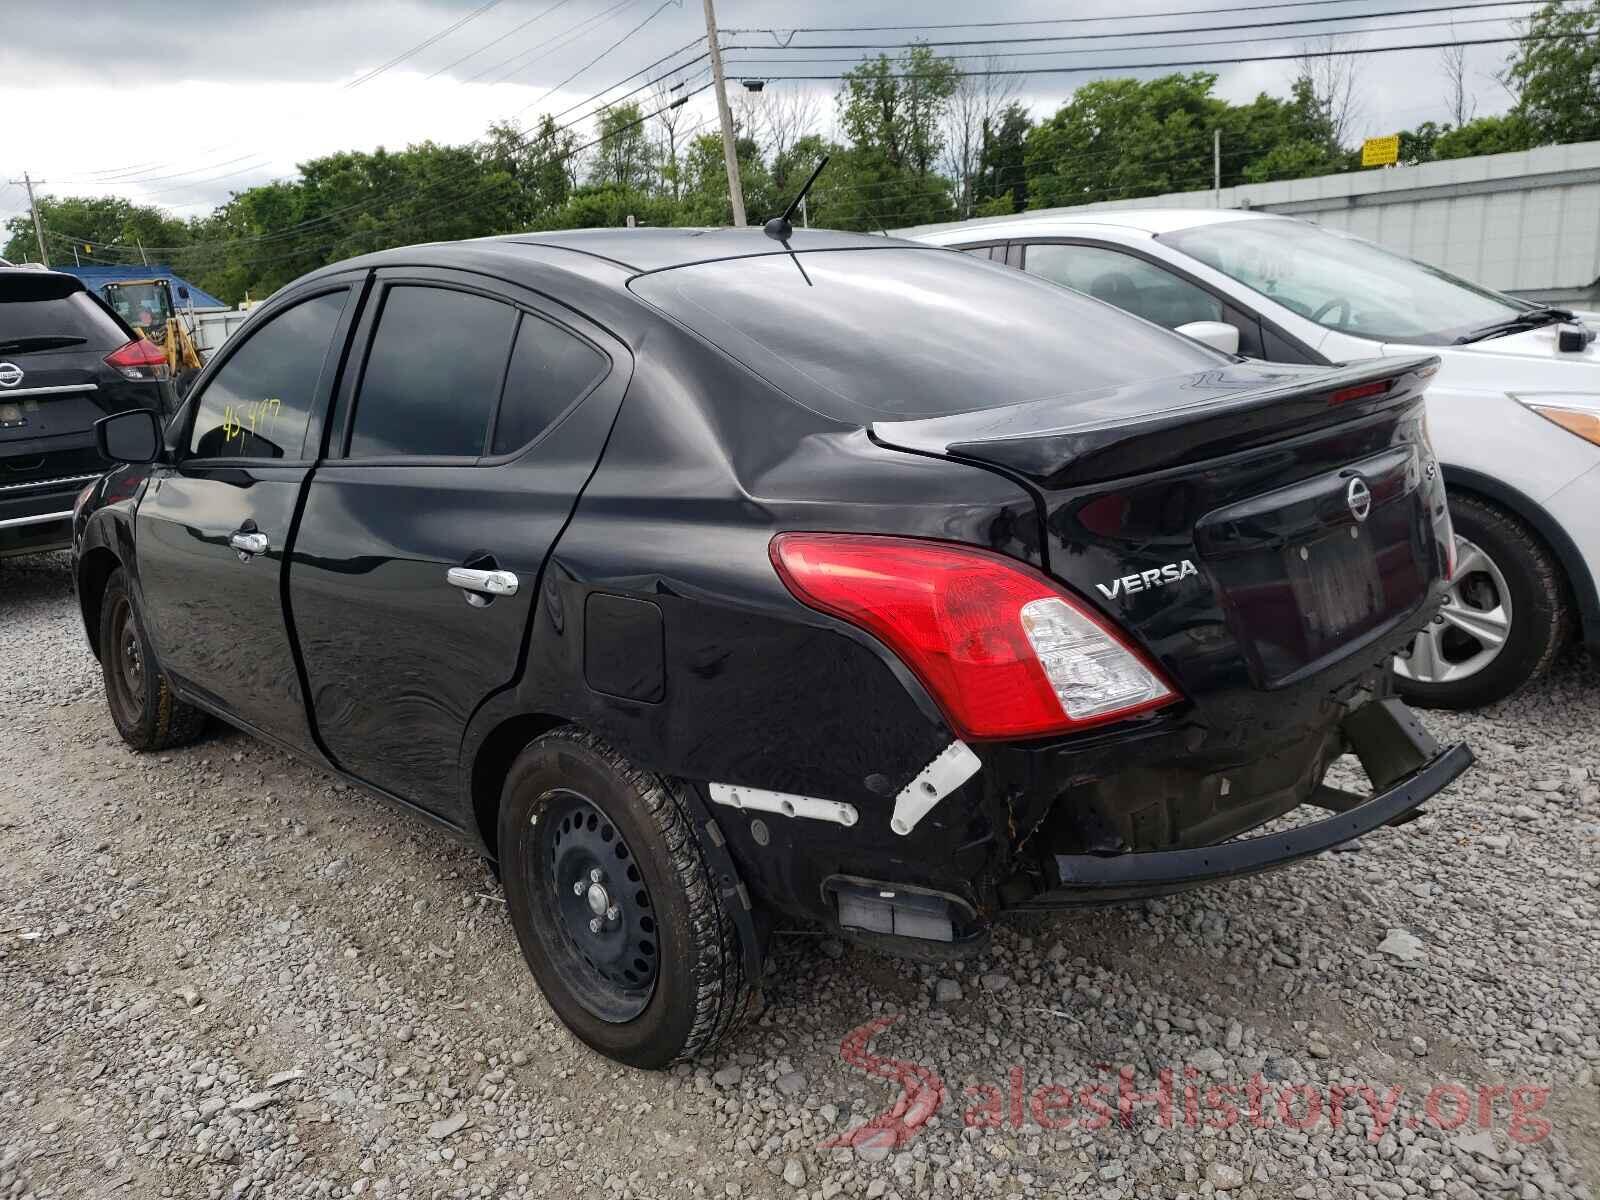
[[613, 903], [1504, 620]]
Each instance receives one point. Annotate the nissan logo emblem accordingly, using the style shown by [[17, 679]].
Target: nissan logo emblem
[[10, 374], [1359, 497]]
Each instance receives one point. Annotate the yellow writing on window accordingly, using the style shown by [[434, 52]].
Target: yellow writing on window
[[257, 418]]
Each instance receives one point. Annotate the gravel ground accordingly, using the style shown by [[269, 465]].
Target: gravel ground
[[224, 974]]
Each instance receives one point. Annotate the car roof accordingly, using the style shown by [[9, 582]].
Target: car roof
[[1151, 221], [37, 275], [633, 250], [33, 271]]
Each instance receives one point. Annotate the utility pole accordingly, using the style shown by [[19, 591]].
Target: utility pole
[[38, 225], [1216, 166], [730, 151]]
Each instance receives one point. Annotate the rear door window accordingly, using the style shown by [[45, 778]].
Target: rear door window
[[40, 313], [907, 332], [258, 404], [433, 374], [1131, 283], [550, 370]]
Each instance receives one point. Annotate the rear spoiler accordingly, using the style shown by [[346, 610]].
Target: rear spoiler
[[1088, 436]]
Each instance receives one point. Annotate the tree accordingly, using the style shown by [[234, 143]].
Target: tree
[[793, 166], [99, 228], [1419, 145], [896, 109], [1333, 81], [1486, 135], [1280, 139], [704, 200], [610, 205], [668, 120], [1124, 137], [791, 115], [540, 162], [1002, 182], [1556, 79], [1453, 60], [974, 108], [622, 157]]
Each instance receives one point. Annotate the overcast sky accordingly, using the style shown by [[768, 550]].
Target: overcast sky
[[181, 103]]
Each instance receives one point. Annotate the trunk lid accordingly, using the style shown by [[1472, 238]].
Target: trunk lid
[[1254, 526], [57, 394]]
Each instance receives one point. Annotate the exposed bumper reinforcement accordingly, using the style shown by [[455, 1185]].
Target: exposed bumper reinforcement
[[1088, 878]]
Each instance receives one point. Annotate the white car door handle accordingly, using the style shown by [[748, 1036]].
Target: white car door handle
[[491, 583]]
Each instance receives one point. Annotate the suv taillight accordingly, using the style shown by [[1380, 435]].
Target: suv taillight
[[140, 359], [1004, 651]]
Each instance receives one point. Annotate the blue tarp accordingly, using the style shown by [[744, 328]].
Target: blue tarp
[[94, 277]]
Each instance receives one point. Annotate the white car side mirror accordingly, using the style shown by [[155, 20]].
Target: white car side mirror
[[1216, 334]]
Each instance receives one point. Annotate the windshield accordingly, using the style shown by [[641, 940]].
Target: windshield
[[1344, 283], [902, 332], [140, 304]]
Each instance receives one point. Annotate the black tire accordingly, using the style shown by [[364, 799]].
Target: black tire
[[1541, 619], [144, 708], [696, 992]]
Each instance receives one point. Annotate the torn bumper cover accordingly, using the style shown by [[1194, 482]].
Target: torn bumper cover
[[1099, 878]]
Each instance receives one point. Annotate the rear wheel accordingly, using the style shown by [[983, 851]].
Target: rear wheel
[[144, 708], [614, 905], [1504, 620]]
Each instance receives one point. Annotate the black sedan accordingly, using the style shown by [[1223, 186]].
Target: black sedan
[[700, 576]]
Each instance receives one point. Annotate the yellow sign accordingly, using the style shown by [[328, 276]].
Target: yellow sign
[[1381, 151]]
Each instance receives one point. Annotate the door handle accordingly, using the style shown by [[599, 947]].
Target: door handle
[[492, 583], [248, 543]]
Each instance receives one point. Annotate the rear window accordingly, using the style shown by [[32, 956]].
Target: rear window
[[862, 335], [43, 306]]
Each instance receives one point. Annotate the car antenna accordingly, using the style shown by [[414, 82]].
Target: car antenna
[[779, 227]]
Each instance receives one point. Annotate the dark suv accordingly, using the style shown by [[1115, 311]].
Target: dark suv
[[66, 360], [701, 575]]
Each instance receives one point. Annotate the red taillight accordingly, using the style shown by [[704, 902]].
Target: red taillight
[[1360, 392], [1004, 651], [139, 359]]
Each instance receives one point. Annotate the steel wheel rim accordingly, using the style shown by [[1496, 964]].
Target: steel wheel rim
[[1471, 629], [601, 933], [127, 673]]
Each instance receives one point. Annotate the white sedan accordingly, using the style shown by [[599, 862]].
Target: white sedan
[[1514, 412]]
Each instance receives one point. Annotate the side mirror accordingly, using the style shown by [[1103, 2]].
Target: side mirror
[[183, 293], [129, 437], [1216, 334]]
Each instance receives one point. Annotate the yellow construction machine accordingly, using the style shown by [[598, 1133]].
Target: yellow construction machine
[[146, 304]]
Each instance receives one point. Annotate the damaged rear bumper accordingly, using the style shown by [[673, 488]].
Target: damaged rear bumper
[[1100, 878]]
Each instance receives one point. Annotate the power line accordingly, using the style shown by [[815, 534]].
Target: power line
[[654, 13], [496, 41], [1234, 41], [1181, 12], [1207, 62], [424, 44], [303, 251], [162, 178], [589, 20], [1077, 37], [299, 228], [519, 142], [550, 45]]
